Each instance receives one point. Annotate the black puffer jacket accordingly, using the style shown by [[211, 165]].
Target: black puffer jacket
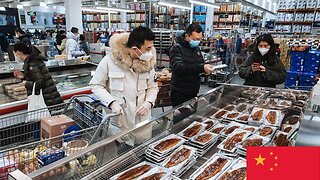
[[275, 72], [35, 71], [25, 39], [187, 64]]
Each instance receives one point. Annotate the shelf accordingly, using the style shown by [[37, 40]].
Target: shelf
[[296, 10], [197, 13], [95, 21], [227, 12], [295, 23], [136, 21], [200, 22], [137, 12], [286, 11]]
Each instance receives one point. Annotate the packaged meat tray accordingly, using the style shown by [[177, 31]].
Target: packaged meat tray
[[257, 116], [289, 96], [261, 102], [232, 115], [204, 138], [179, 159], [272, 102], [266, 131], [253, 140], [230, 128], [290, 129], [252, 129], [240, 100], [218, 128], [243, 118], [134, 172], [242, 108], [219, 114], [212, 168], [273, 117], [192, 130], [167, 144], [284, 103], [293, 119], [231, 142], [281, 139], [158, 173], [229, 107], [237, 170], [209, 124]]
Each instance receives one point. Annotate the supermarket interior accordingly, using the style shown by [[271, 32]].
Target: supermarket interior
[[154, 89]]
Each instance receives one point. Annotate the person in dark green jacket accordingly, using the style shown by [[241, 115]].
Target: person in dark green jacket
[[263, 68]]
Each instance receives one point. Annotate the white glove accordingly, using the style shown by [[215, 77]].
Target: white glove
[[116, 108], [144, 109]]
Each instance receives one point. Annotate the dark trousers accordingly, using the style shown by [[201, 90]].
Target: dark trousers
[[178, 98]]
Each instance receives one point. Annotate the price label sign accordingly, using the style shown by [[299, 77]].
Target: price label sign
[[62, 63]]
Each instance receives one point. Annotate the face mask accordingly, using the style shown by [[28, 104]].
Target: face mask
[[194, 43], [19, 60], [145, 56], [263, 51]]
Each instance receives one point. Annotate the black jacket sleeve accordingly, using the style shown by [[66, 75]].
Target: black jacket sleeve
[[278, 75], [245, 70], [38, 69], [180, 67]]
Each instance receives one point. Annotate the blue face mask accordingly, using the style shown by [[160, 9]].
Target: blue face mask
[[194, 43]]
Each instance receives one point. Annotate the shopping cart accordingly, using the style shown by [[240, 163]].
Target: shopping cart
[[20, 142]]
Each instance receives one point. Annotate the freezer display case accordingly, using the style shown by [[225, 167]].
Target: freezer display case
[[213, 131], [72, 77]]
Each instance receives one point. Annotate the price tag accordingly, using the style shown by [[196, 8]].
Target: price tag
[[61, 63]]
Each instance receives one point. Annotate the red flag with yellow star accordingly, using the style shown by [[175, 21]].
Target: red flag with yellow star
[[281, 163]]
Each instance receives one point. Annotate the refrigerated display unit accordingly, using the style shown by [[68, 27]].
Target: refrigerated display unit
[[270, 112], [72, 77]]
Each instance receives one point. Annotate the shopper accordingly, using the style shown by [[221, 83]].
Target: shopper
[[22, 36], [4, 44], [263, 68], [124, 82], [84, 45], [72, 46], [187, 64], [62, 47], [35, 71], [60, 36]]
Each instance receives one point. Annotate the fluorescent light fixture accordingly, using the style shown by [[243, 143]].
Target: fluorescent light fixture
[[115, 9], [19, 6], [175, 5], [96, 3], [97, 10], [204, 3], [2, 9], [43, 4], [54, 7]]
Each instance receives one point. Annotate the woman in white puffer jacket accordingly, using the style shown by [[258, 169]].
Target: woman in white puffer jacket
[[72, 46]]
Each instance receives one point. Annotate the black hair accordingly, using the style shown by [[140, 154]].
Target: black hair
[[139, 35], [61, 32], [271, 55], [22, 47], [193, 28], [82, 38], [74, 30], [19, 30], [63, 36]]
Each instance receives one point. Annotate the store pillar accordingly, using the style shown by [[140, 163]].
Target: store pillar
[[73, 15], [123, 16], [209, 20]]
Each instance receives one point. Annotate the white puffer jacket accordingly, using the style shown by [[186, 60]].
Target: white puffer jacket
[[128, 82], [72, 46]]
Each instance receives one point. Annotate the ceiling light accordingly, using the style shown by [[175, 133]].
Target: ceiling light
[[134, 0], [43, 4], [54, 7], [96, 3], [19, 6], [175, 5], [97, 10], [2, 8], [204, 3], [115, 9]]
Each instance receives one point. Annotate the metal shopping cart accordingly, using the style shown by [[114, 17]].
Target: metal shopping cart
[[21, 145]]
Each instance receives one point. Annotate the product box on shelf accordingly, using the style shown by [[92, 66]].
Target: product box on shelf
[[301, 4], [311, 69], [298, 68], [307, 77], [290, 83], [197, 9], [203, 9], [313, 57], [55, 126], [292, 75], [302, 83], [311, 4], [230, 7]]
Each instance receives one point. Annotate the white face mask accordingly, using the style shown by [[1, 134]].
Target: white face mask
[[18, 59], [263, 51], [145, 56]]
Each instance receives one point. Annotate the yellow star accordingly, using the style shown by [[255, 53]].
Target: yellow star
[[260, 160], [276, 157], [276, 164], [271, 153], [271, 169]]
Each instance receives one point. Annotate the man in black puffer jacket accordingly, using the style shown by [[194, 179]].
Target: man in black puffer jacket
[[187, 64], [35, 71]]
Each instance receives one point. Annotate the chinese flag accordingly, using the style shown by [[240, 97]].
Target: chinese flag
[[283, 163]]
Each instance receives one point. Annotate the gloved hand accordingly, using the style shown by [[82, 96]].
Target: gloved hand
[[116, 108], [144, 109]]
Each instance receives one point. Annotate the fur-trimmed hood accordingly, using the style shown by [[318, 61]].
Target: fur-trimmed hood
[[122, 57]]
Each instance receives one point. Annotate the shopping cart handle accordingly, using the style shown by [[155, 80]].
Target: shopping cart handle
[[105, 119]]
